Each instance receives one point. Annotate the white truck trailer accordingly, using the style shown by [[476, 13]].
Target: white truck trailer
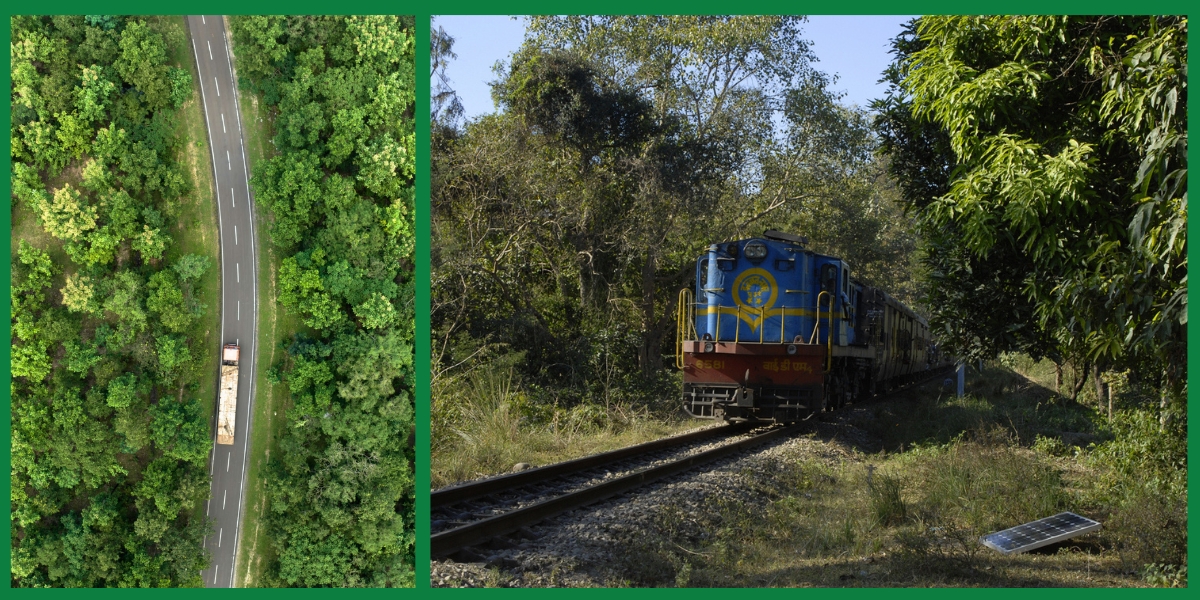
[[228, 398]]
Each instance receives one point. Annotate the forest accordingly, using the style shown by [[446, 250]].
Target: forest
[[109, 435], [1022, 183], [566, 223], [338, 192]]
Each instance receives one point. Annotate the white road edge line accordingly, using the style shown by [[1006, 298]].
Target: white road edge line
[[254, 283], [213, 153]]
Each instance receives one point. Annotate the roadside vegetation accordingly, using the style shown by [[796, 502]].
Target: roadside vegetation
[[272, 400], [908, 508], [339, 192], [113, 243]]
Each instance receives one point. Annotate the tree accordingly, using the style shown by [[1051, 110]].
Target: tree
[[87, 370], [1068, 136], [166, 299], [623, 147], [445, 109], [191, 267], [69, 216], [78, 293], [141, 63], [340, 194]]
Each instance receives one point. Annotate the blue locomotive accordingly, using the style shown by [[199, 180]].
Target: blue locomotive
[[774, 331]]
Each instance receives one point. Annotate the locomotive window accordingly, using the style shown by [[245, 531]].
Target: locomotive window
[[829, 278]]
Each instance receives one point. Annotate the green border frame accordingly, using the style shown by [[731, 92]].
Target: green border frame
[[422, 12]]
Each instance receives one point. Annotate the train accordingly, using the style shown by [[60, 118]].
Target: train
[[773, 331]]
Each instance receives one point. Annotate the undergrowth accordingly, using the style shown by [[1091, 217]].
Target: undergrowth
[[952, 470], [487, 420]]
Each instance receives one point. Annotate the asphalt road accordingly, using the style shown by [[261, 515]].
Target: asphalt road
[[239, 313]]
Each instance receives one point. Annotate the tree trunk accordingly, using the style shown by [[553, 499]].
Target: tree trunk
[[649, 355], [1109, 390], [1101, 386], [1082, 375], [1057, 378]]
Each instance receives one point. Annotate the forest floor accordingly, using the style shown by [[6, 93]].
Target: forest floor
[[891, 493]]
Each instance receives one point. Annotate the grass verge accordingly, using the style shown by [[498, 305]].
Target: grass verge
[[195, 231], [255, 551]]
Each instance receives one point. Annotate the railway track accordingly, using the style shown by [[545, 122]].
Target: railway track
[[484, 512], [487, 511]]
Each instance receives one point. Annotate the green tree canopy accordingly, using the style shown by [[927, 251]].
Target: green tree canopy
[[1046, 160]]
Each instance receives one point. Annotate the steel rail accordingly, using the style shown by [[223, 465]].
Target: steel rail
[[469, 491], [473, 534]]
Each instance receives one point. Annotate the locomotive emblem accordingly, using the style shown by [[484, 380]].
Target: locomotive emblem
[[755, 289]]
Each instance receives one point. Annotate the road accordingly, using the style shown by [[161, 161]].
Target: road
[[239, 310]]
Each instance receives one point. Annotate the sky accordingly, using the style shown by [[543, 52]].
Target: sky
[[855, 48]]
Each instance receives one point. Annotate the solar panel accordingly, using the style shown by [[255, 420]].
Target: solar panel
[[1041, 532]]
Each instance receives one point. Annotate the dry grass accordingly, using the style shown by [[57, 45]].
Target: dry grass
[[479, 427]]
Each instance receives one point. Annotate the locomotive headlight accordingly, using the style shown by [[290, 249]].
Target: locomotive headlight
[[791, 348], [756, 250], [708, 347]]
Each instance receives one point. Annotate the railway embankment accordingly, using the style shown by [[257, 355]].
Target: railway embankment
[[886, 493]]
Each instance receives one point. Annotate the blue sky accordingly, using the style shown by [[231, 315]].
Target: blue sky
[[855, 48]]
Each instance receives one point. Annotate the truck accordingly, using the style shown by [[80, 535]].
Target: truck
[[228, 399]]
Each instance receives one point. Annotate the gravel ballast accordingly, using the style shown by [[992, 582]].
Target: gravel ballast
[[589, 546]]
